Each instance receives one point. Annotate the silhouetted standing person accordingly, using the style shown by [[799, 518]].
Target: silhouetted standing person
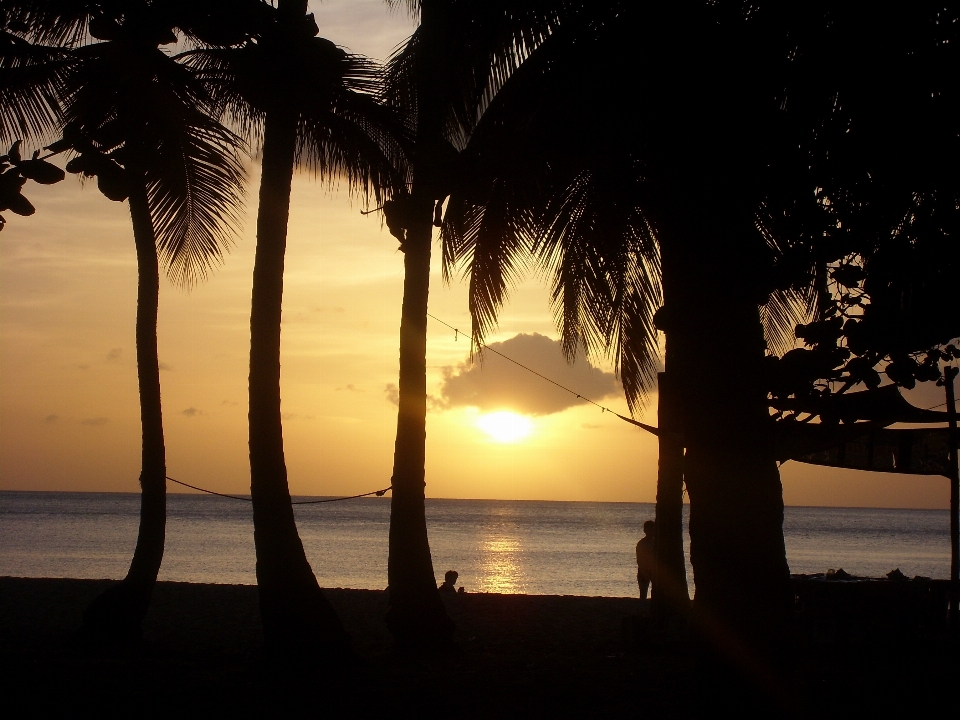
[[646, 557]]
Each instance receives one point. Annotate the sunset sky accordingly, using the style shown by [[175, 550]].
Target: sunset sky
[[69, 416]]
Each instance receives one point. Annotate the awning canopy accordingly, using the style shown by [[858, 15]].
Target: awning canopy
[[920, 451]]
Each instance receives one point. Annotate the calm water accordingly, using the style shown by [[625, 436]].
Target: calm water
[[496, 545]]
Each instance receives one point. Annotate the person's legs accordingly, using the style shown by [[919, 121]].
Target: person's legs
[[644, 584]]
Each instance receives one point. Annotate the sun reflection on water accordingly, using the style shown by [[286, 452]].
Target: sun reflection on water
[[500, 566]]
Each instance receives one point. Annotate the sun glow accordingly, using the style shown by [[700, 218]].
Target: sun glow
[[505, 427]]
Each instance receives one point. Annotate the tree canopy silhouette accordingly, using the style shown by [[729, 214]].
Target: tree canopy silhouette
[[302, 101], [444, 76], [134, 119], [755, 143]]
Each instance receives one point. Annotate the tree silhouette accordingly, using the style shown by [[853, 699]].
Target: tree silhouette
[[443, 76], [733, 130], [29, 76], [306, 102], [134, 119]]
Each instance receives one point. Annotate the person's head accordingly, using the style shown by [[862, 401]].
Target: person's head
[[650, 528], [450, 576]]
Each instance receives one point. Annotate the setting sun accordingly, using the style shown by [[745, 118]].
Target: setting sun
[[505, 427]]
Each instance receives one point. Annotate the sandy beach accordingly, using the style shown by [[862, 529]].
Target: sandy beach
[[520, 656]]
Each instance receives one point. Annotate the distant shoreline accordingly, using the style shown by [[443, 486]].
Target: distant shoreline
[[430, 499]]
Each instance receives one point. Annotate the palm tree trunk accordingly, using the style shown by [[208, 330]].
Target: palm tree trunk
[[712, 264], [296, 616], [417, 616], [670, 598], [743, 605], [119, 611]]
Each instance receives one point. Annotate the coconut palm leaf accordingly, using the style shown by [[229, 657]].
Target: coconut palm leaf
[[196, 194], [467, 52], [579, 219], [147, 109], [343, 131], [31, 79]]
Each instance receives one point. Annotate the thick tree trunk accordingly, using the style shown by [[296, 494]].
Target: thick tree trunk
[[670, 597], [743, 604], [119, 611], [743, 601], [417, 616], [296, 616]]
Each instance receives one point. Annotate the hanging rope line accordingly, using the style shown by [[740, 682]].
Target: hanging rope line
[[457, 332], [649, 428], [603, 408], [378, 493]]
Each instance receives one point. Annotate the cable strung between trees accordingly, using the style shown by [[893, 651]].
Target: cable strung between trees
[[378, 493]]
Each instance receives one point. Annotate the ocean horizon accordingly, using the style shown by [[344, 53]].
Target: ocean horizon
[[541, 547]]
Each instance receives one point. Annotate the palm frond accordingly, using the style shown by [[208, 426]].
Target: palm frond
[[783, 311], [353, 135], [31, 83], [137, 104], [489, 240], [195, 188], [59, 23], [463, 52], [219, 70], [604, 265]]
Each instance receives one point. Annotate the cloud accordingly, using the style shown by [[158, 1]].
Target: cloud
[[351, 387], [497, 384], [191, 412], [163, 366], [229, 402], [95, 421], [114, 354], [51, 419], [393, 397], [393, 394]]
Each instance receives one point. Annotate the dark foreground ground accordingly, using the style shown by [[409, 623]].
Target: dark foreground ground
[[520, 656]]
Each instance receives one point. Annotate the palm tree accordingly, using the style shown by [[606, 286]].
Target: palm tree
[[134, 118], [533, 182], [601, 180], [443, 77], [727, 164], [312, 105]]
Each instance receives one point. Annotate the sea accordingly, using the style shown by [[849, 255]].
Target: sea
[[503, 546]]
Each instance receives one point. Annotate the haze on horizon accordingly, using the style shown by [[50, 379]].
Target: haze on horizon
[[68, 391]]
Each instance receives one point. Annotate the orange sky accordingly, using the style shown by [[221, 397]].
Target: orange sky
[[69, 417]]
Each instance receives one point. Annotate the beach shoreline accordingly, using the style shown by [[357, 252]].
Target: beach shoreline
[[519, 656]]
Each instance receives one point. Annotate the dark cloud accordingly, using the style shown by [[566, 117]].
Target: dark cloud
[[95, 421], [497, 384], [351, 387], [191, 412], [392, 394], [51, 419], [114, 354], [164, 366]]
